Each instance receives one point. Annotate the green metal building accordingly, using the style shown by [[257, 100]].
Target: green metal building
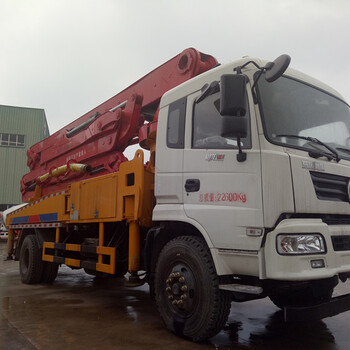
[[20, 128]]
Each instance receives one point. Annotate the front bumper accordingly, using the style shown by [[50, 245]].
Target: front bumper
[[331, 308], [298, 267]]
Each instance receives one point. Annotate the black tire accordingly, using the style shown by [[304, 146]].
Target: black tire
[[30, 263], [49, 272], [187, 290]]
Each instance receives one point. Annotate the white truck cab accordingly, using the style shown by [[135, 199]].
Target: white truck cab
[[274, 214]]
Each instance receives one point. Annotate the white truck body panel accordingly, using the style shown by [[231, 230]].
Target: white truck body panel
[[229, 199]]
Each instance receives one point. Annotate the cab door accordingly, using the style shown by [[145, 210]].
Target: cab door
[[222, 194]]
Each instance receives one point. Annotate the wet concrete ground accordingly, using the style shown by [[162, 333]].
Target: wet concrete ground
[[80, 312]]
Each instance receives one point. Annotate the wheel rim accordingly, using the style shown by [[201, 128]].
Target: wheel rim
[[180, 288]]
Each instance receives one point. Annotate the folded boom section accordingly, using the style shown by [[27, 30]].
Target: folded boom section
[[98, 139]]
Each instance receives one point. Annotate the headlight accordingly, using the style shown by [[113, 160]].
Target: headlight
[[300, 244]]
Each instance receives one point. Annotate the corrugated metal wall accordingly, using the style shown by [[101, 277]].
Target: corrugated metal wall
[[30, 122]]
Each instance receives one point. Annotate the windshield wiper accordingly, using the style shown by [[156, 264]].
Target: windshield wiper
[[334, 152]]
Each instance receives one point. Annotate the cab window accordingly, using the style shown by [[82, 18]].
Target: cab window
[[206, 132], [176, 124]]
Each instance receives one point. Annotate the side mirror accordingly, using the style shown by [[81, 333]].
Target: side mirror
[[233, 95], [276, 68], [233, 102], [234, 127]]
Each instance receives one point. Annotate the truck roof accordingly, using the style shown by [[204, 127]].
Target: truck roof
[[196, 83]]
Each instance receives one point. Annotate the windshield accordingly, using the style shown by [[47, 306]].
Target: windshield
[[292, 111]]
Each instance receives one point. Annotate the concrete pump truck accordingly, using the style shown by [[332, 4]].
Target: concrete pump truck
[[245, 195]]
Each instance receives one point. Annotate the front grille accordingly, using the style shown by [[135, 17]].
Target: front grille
[[330, 187], [341, 243]]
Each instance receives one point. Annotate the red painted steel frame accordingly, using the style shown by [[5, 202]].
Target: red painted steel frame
[[99, 137]]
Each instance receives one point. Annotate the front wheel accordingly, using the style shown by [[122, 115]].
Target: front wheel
[[187, 290]]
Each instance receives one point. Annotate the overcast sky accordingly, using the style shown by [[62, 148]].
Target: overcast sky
[[68, 56]]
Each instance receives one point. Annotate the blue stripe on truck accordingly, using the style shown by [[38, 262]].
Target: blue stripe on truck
[[51, 217]]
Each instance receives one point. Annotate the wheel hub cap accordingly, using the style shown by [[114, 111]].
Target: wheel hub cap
[[180, 288]]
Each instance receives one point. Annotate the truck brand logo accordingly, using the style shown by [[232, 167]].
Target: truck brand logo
[[312, 165], [214, 156]]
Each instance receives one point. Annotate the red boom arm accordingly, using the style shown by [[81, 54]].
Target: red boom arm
[[99, 137]]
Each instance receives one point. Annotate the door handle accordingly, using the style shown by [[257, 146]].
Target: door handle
[[192, 185]]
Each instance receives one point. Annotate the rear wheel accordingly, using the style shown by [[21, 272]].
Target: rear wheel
[[30, 264], [187, 290], [49, 272]]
